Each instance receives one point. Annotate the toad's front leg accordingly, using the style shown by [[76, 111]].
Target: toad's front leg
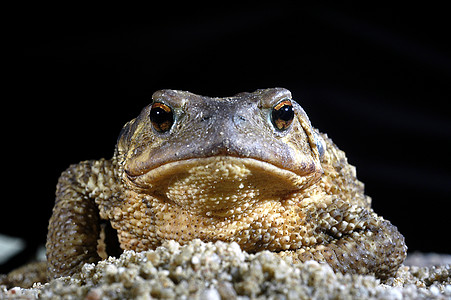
[[74, 227], [72, 237], [352, 239]]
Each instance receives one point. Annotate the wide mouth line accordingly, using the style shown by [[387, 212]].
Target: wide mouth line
[[206, 160]]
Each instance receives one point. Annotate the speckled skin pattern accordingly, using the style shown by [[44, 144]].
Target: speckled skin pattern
[[225, 169]]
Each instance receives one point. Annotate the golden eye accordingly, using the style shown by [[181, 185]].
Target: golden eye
[[161, 116], [282, 114]]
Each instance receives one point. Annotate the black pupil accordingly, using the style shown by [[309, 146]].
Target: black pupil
[[286, 113], [283, 115], [161, 118], [158, 115]]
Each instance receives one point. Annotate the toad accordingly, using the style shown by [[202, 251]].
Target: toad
[[248, 169]]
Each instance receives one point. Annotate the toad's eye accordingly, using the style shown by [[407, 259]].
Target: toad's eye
[[282, 114], [161, 117]]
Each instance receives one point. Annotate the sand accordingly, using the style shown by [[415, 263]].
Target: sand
[[220, 270]]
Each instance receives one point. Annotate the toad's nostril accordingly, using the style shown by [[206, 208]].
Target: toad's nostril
[[239, 120]]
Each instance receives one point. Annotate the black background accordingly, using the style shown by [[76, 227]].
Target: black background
[[376, 79]]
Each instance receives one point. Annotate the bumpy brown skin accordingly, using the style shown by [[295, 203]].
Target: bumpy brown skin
[[223, 171]]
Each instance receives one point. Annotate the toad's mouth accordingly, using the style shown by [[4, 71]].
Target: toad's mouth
[[218, 184]]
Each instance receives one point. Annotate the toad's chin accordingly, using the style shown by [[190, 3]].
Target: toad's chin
[[216, 184]]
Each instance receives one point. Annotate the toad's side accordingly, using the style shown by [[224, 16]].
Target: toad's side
[[249, 169]]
